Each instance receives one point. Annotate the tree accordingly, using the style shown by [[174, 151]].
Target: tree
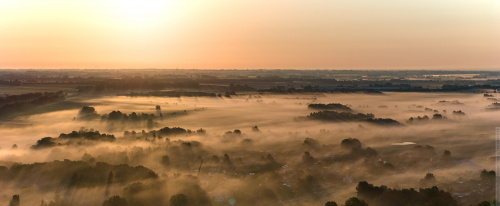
[[44, 143], [307, 158], [115, 201], [429, 180], [16, 201], [446, 154], [178, 200], [484, 203], [438, 117], [270, 158], [255, 129], [165, 160], [150, 124], [201, 131], [430, 177], [246, 142], [115, 115], [87, 113], [311, 143], [368, 191], [446, 157], [87, 110], [110, 178], [134, 117], [370, 152], [331, 203], [351, 144], [227, 160], [354, 201], [381, 195], [488, 175], [197, 196]]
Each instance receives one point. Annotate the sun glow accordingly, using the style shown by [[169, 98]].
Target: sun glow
[[136, 13], [249, 34]]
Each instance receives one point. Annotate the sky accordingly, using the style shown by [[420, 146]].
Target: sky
[[250, 34]]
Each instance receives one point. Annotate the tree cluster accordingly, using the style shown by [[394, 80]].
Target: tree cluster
[[382, 195], [18, 103], [332, 106], [73, 138]]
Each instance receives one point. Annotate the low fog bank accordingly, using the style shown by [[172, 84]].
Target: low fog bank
[[253, 145]]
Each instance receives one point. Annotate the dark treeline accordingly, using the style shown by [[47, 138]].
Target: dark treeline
[[29, 97], [73, 138], [18, 103], [159, 134], [160, 84], [493, 106], [426, 118], [339, 87], [85, 136], [290, 81], [316, 88], [339, 116], [89, 113], [50, 175], [332, 106], [138, 84], [445, 102], [334, 116], [381, 196], [171, 94], [343, 113], [368, 194], [116, 120], [132, 117]]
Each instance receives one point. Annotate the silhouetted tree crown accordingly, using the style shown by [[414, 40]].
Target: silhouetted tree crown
[[331, 106], [446, 154], [227, 161], [351, 144], [428, 181], [16, 201], [354, 201], [115, 201], [485, 203], [307, 158], [255, 129], [311, 143], [331, 203], [381, 196], [179, 200], [165, 160], [488, 175]]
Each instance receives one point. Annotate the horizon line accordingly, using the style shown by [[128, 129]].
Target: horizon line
[[240, 69]]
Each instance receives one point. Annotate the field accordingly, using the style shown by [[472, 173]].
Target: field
[[260, 142]]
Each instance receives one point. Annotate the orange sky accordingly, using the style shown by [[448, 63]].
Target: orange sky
[[250, 34]]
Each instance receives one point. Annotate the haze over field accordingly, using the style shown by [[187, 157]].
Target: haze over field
[[238, 146], [269, 111]]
